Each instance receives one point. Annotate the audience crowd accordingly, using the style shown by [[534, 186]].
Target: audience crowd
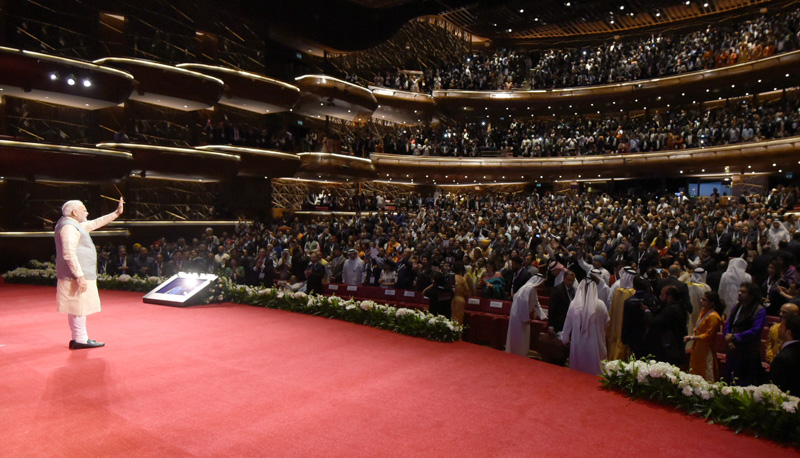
[[616, 61], [692, 127], [738, 249]]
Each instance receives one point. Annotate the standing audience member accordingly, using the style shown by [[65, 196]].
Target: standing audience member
[[353, 271], [786, 365], [561, 297], [700, 343], [585, 328], [743, 337], [524, 309], [774, 341], [440, 295], [666, 327]]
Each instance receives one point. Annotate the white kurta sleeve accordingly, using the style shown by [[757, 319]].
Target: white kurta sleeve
[[99, 222], [69, 241]]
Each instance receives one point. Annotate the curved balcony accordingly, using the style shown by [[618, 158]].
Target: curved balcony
[[734, 81], [179, 163], [757, 157], [260, 162], [50, 79], [335, 167], [249, 91], [68, 164], [168, 86], [322, 95], [401, 107]]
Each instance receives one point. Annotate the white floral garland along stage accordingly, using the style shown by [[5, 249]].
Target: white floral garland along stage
[[762, 410], [412, 322]]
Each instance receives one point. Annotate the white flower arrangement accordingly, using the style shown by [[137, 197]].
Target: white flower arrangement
[[764, 410]]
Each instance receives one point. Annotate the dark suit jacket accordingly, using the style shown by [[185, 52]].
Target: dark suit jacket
[[314, 280], [559, 305], [785, 367], [683, 291], [116, 262], [666, 328], [519, 279]]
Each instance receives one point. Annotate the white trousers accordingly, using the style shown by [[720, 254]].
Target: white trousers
[[77, 324]]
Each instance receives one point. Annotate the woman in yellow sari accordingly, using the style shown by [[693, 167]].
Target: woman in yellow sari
[[704, 359]]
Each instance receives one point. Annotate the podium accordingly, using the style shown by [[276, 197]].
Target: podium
[[181, 290]]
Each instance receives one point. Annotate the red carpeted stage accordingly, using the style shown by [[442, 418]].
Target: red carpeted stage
[[235, 380]]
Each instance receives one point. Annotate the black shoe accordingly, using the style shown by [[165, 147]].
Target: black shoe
[[89, 344]]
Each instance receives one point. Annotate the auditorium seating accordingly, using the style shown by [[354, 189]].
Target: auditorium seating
[[485, 320]]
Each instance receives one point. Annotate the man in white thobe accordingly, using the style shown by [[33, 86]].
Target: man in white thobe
[[734, 277], [524, 309], [76, 268], [353, 272], [585, 328]]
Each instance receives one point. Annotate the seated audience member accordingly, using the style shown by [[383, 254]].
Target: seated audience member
[[121, 263], [142, 264], [786, 365]]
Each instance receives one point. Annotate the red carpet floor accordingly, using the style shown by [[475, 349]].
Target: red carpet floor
[[233, 380]]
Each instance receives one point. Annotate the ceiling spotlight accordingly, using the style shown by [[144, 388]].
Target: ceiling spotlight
[[521, 10], [569, 4], [53, 76], [87, 83], [71, 80], [658, 14]]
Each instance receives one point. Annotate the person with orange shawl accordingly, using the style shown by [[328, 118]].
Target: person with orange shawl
[[704, 360]]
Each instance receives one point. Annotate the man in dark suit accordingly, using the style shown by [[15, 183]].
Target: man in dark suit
[[315, 273], [142, 264], [683, 288], [666, 327], [121, 263], [560, 297], [721, 240], [786, 365], [519, 275], [644, 257], [405, 271]]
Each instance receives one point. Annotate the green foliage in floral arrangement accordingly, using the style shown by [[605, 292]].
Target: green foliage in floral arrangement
[[761, 410], [412, 322], [44, 273]]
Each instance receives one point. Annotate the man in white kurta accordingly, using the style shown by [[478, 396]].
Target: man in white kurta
[[585, 328], [524, 308], [76, 269]]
